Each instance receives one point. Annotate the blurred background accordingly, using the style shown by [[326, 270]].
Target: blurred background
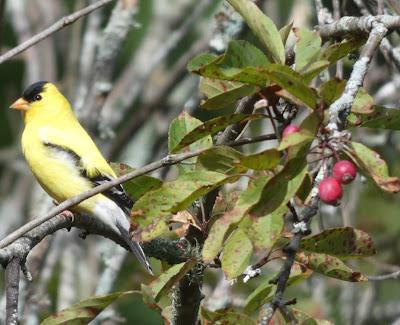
[[123, 68]]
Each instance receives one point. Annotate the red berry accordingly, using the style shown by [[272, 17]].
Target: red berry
[[291, 128], [344, 171], [330, 191]]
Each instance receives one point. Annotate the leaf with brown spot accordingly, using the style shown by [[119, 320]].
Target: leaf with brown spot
[[336, 51], [178, 129], [330, 266], [373, 166], [224, 317], [222, 94], [174, 196], [382, 118], [345, 242], [84, 311], [363, 103], [210, 127], [266, 230], [229, 220]]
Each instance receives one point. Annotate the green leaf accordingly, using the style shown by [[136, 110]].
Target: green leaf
[[201, 60], [314, 69], [236, 254], [263, 27], [363, 103], [260, 296], [345, 242], [84, 311], [337, 51], [222, 93], [294, 139], [224, 317], [174, 196], [281, 188], [227, 160], [374, 167], [241, 54], [308, 47], [222, 226], [331, 90], [207, 128], [330, 266], [238, 55], [305, 319], [161, 286], [264, 160], [382, 118], [178, 129], [285, 31], [264, 231], [282, 75], [292, 82], [138, 186], [221, 159], [182, 126]]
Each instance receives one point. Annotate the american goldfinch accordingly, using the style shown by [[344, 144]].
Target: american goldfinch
[[66, 161]]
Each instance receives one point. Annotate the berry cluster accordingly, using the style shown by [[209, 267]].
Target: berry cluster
[[330, 188]]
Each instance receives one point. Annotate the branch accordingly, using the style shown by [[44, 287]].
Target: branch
[[166, 161], [394, 275], [136, 75], [340, 109], [113, 38], [65, 21], [267, 312], [171, 251], [358, 25], [12, 291]]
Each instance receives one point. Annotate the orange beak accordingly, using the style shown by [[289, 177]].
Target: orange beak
[[20, 105]]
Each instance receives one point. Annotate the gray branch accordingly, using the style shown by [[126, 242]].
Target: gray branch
[[355, 25], [111, 43], [12, 291], [65, 21], [340, 109]]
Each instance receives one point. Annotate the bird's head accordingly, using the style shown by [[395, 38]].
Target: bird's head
[[41, 99]]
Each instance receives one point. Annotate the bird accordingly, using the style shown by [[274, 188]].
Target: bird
[[66, 162]]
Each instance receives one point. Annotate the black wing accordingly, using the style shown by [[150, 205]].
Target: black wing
[[116, 193]]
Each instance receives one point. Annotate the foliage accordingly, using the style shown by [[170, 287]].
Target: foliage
[[257, 219]]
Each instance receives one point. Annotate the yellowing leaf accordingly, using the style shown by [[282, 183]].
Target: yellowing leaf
[[236, 254]]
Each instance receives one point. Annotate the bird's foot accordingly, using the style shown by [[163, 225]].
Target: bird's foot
[[70, 215]]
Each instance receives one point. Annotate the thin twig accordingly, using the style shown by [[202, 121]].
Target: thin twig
[[65, 21], [394, 275], [12, 291]]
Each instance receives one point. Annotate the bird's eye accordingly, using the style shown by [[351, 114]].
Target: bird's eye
[[38, 97]]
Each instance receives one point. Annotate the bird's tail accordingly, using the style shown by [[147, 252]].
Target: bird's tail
[[135, 248]]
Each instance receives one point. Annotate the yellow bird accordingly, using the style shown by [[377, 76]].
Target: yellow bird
[[66, 161]]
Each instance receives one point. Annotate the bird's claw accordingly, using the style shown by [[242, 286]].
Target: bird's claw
[[70, 215]]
